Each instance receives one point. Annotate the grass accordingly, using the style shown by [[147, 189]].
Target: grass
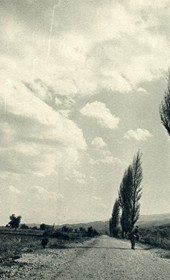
[[158, 236], [13, 245]]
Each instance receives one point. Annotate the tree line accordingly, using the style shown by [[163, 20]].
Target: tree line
[[126, 208]]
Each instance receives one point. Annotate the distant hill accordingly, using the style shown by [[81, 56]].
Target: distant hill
[[103, 226], [144, 221], [154, 220]]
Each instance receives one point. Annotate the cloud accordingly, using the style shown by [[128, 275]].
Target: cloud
[[35, 138], [102, 155], [139, 134], [97, 198], [36, 204], [142, 90], [14, 189], [43, 193], [106, 159], [101, 113], [98, 143], [76, 175], [87, 53]]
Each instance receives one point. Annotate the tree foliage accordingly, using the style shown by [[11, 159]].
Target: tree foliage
[[14, 221], [114, 221], [130, 194], [136, 187], [125, 200], [165, 106], [43, 226]]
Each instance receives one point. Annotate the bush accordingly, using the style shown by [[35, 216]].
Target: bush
[[156, 236]]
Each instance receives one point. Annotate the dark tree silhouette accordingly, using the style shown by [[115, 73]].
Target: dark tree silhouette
[[114, 221], [136, 188], [43, 227], [125, 200], [165, 106], [130, 194], [14, 221]]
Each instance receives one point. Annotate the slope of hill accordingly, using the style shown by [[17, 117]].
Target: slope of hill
[[103, 226], [154, 220]]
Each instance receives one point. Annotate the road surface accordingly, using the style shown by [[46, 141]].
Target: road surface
[[103, 258]]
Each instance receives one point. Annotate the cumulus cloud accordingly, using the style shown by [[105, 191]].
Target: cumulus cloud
[[98, 143], [86, 53], [139, 134], [101, 113], [142, 90], [77, 176], [100, 154], [35, 138]]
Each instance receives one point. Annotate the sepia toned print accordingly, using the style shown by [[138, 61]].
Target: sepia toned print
[[84, 139]]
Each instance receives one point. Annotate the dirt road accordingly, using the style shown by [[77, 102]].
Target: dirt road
[[103, 258]]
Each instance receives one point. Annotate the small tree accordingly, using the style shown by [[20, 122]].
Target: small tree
[[24, 226], [165, 106], [14, 221], [114, 221]]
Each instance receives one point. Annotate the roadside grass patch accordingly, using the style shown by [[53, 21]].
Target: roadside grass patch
[[158, 236]]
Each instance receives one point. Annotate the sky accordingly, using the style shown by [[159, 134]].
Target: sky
[[80, 90]]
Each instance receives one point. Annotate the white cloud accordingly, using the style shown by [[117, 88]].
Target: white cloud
[[98, 143], [90, 52], [97, 198], [14, 189], [107, 160], [78, 176], [101, 113], [139, 134], [45, 194], [57, 101], [34, 137], [104, 157], [100, 154], [142, 90], [65, 113]]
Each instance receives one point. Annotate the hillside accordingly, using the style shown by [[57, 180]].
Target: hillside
[[144, 221], [103, 226], [154, 220], [100, 226]]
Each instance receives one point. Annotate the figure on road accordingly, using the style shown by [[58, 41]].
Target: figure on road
[[134, 236]]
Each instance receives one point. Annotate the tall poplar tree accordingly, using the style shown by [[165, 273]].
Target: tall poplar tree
[[137, 176], [130, 194], [125, 195], [165, 106], [114, 221]]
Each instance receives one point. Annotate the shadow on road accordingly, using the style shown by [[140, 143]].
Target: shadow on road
[[92, 247]]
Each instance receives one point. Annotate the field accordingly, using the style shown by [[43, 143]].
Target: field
[[12, 246], [15, 242], [158, 236]]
